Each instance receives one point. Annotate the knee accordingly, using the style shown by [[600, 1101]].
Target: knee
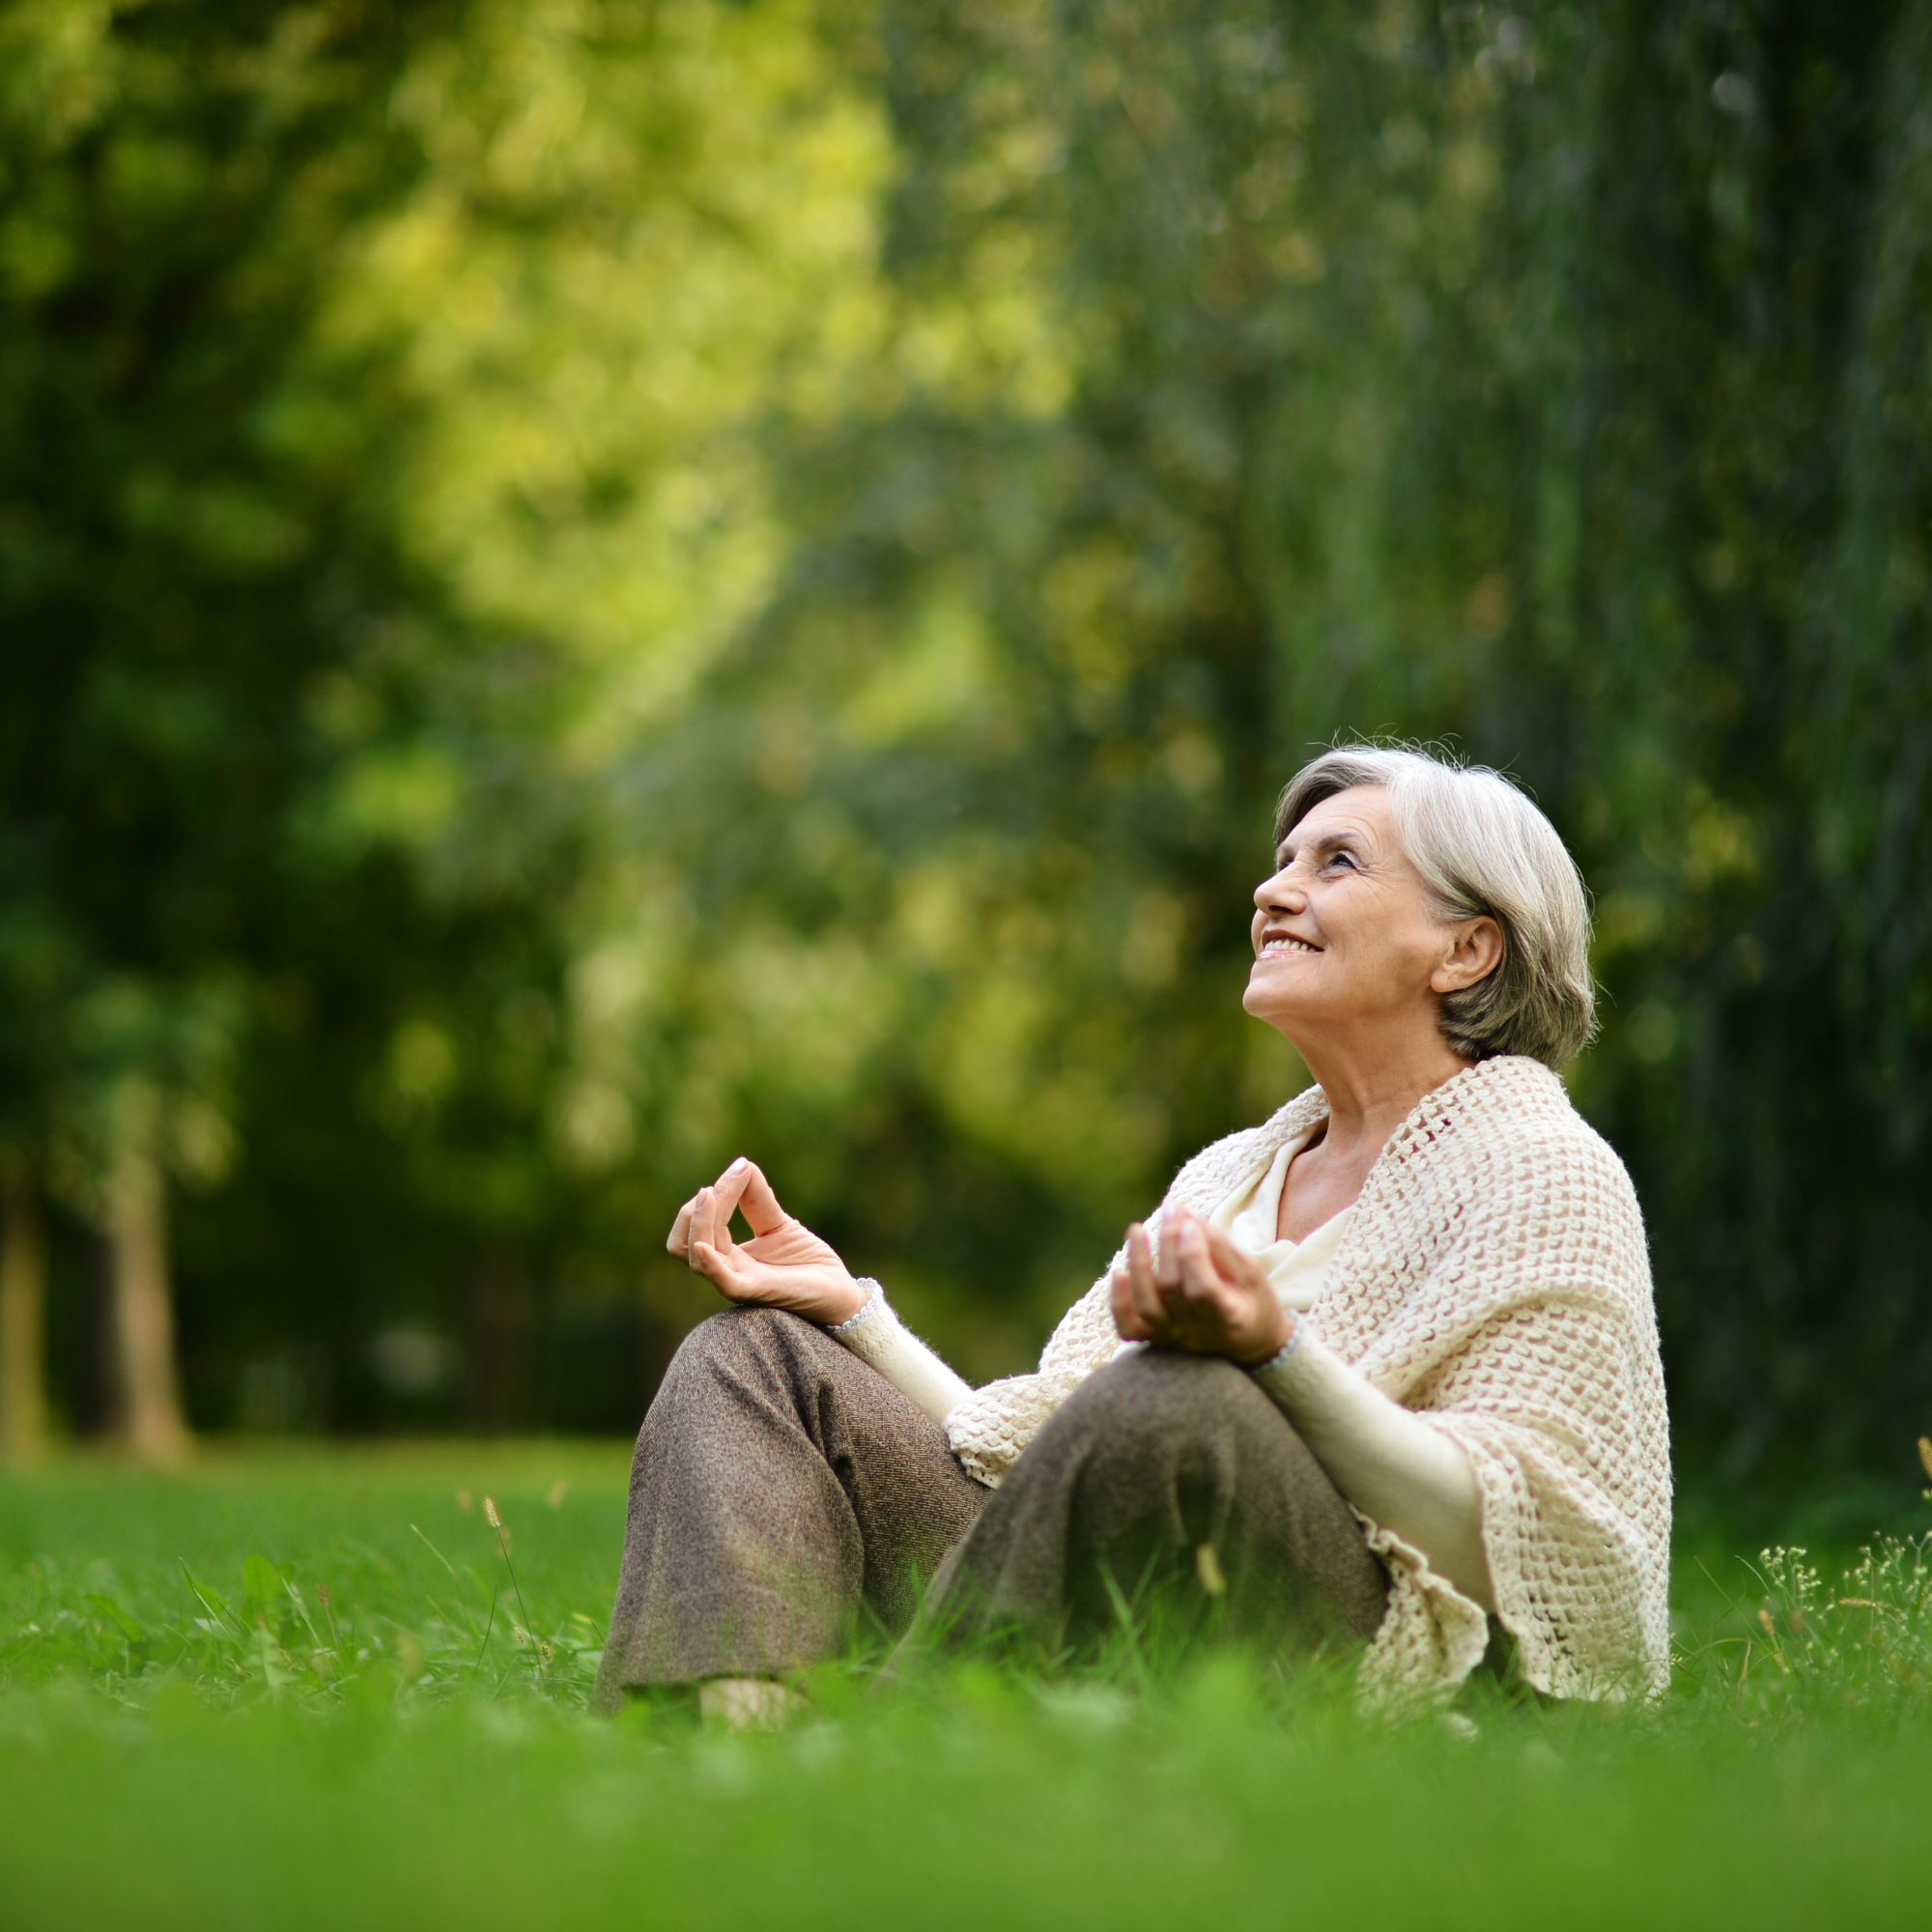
[[1159, 1398], [736, 1326], [735, 1337], [1153, 1382]]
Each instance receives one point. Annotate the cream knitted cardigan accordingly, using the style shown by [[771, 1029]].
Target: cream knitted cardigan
[[1494, 1281]]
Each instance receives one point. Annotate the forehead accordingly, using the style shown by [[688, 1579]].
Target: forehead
[[1362, 811]]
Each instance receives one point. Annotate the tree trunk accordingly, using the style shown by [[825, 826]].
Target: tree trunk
[[501, 1331], [143, 1323], [23, 1321]]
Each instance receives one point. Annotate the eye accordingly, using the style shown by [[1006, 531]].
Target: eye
[[1347, 859]]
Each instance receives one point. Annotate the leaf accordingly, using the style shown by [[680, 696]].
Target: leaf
[[127, 1625], [212, 1601], [274, 1673], [261, 1581], [300, 1609]]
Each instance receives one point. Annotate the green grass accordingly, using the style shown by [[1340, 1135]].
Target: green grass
[[189, 1736]]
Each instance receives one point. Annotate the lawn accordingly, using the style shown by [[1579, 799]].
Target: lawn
[[304, 1689]]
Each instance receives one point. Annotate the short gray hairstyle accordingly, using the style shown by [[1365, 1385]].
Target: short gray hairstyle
[[1483, 849]]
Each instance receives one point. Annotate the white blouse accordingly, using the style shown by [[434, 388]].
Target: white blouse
[[1391, 1463], [1297, 1270]]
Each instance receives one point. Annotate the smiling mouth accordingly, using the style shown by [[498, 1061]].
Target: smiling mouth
[[1283, 942]]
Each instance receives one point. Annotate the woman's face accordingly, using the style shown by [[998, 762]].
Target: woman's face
[[1344, 933]]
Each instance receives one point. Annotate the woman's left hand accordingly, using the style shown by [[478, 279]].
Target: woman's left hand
[[1200, 1292]]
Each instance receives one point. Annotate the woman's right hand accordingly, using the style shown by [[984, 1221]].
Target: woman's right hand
[[783, 1265], [1199, 1292]]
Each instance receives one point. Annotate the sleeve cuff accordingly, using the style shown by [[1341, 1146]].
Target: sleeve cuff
[[879, 1338], [875, 1296], [1305, 1373], [1297, 1334]]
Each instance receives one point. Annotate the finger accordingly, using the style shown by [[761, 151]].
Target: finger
[[1167, 1264], [728, 1190], [700, 1222], [1136, 1272], [678, 1240], [717, 1270], [1236, 1263], [1179, 1238], [759, 1205], [1127, 1322], [1142, 1281], [708, 1225], [1199, 1279]]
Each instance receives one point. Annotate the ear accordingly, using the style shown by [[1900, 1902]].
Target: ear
[[1472, 950]]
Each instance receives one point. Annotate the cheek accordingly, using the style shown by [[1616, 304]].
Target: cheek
[[1380, 945], [1409, 952]]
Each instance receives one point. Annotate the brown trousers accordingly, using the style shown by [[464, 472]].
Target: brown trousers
[[782, 1490]]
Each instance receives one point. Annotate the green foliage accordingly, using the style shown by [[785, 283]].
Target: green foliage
[[1864, 1644], [1509, 377], [590, 587]]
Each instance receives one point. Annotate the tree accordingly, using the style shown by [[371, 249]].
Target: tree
[[599, 587], [185, 550], [24, 1295], [1545, 379], [360, 508]]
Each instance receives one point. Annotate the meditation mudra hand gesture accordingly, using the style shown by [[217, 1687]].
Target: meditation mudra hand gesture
[[783, 1265], [1199, 1292]]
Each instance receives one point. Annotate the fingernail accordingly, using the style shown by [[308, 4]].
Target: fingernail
[[736, 1165]]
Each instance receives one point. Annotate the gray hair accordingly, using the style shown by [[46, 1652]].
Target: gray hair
[[1482, 850]]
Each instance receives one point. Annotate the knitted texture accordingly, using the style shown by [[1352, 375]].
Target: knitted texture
[[1494, 1281]]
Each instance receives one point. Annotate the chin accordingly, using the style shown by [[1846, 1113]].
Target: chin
[[1277, 1006]]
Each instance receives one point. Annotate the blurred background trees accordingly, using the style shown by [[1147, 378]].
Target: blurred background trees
[[589, 586]]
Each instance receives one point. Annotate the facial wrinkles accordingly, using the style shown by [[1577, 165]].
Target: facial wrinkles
[[1344, 931], [1344, 855], [1340, 888]]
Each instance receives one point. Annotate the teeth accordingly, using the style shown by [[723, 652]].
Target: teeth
[[1286, 945]]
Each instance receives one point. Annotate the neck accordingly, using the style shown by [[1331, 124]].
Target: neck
[[1374, 1083]]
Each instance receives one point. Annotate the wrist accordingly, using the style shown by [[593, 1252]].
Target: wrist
[[1280, 1340], [847, 1306]]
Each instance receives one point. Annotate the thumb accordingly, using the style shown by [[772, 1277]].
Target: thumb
[[1237, 1264], [714, 1267]]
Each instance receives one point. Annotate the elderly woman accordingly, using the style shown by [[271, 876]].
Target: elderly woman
[[1383, 1367]]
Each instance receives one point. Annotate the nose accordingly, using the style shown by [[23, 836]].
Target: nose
[[1279, 893]]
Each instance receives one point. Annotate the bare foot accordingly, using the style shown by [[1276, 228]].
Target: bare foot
[[748, 1703]]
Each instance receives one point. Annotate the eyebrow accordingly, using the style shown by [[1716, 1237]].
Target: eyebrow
[[1329, 842]]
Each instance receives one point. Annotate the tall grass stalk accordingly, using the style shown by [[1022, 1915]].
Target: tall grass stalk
[[525, 1636]]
